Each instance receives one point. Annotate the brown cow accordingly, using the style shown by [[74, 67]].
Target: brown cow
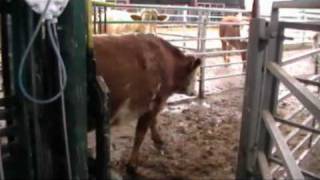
[[142, 71], [232, 30]]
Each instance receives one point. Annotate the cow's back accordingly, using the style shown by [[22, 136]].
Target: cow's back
[[229, 30], [134, 68]]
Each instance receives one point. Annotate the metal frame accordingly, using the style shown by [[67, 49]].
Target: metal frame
[[260, 127], [201, 24]]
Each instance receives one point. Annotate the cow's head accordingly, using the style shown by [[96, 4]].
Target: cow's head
[[186, 75], [149, 15]]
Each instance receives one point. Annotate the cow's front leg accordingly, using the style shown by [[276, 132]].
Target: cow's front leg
[[141, 129]]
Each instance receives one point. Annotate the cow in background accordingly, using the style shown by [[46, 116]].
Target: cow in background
[[142, 71], [149, 15], [232, 30], [126, 28], [235, 30]]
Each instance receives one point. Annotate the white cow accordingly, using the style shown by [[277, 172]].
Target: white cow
[[125, 28]]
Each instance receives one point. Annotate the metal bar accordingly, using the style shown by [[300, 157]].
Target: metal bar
[[148, 22], [288, 94], [301, 143], [73, 30], [290, 164], [264, 166], [299, 57], [304, 172], [224, 64], [306, 81], [94, 19], [250, 112], [187, 48], [294, 124], [225, 76], [163, 22], [99, 15], [315, 44], [294, 113], [284, 96], [296, 130], [301, 92], [210, 54], [98, 3], [202, 48], [301, 5], [217, 23], [105, 20], [304, 153], [312, 26], [176, 35], [208, 39], [103, 131]]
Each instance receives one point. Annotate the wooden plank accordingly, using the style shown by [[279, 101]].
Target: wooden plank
[[292, 168]]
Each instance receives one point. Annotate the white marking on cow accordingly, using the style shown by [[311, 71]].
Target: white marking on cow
[[192, 82], [125, 114]]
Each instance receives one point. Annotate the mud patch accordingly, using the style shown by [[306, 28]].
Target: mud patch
[[201, 141]]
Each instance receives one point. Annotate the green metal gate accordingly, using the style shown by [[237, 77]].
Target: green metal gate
[[33, 141]]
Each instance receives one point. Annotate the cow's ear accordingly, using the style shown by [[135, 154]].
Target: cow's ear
[[196, 63], [162, 17], [135, 17]]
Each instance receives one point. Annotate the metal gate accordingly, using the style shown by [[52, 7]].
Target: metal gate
[[260, 133]]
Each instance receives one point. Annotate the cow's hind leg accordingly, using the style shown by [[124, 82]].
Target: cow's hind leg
[[141, 129], [224, 48], [155, 136]]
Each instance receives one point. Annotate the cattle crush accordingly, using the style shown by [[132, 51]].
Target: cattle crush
[[272, 108], [204, 129]]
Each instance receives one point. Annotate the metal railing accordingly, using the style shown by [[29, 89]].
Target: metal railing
[[262, 142], [195, 43], [200, 37]]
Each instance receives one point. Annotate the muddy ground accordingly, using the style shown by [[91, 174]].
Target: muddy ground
[[201, 141]]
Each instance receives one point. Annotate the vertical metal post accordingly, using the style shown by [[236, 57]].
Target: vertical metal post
[[74, 51], [94, 14], [184, 27], [100, 20], [316, 71], [303, 18], [202, 48], [247, 155], [22, 159]]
